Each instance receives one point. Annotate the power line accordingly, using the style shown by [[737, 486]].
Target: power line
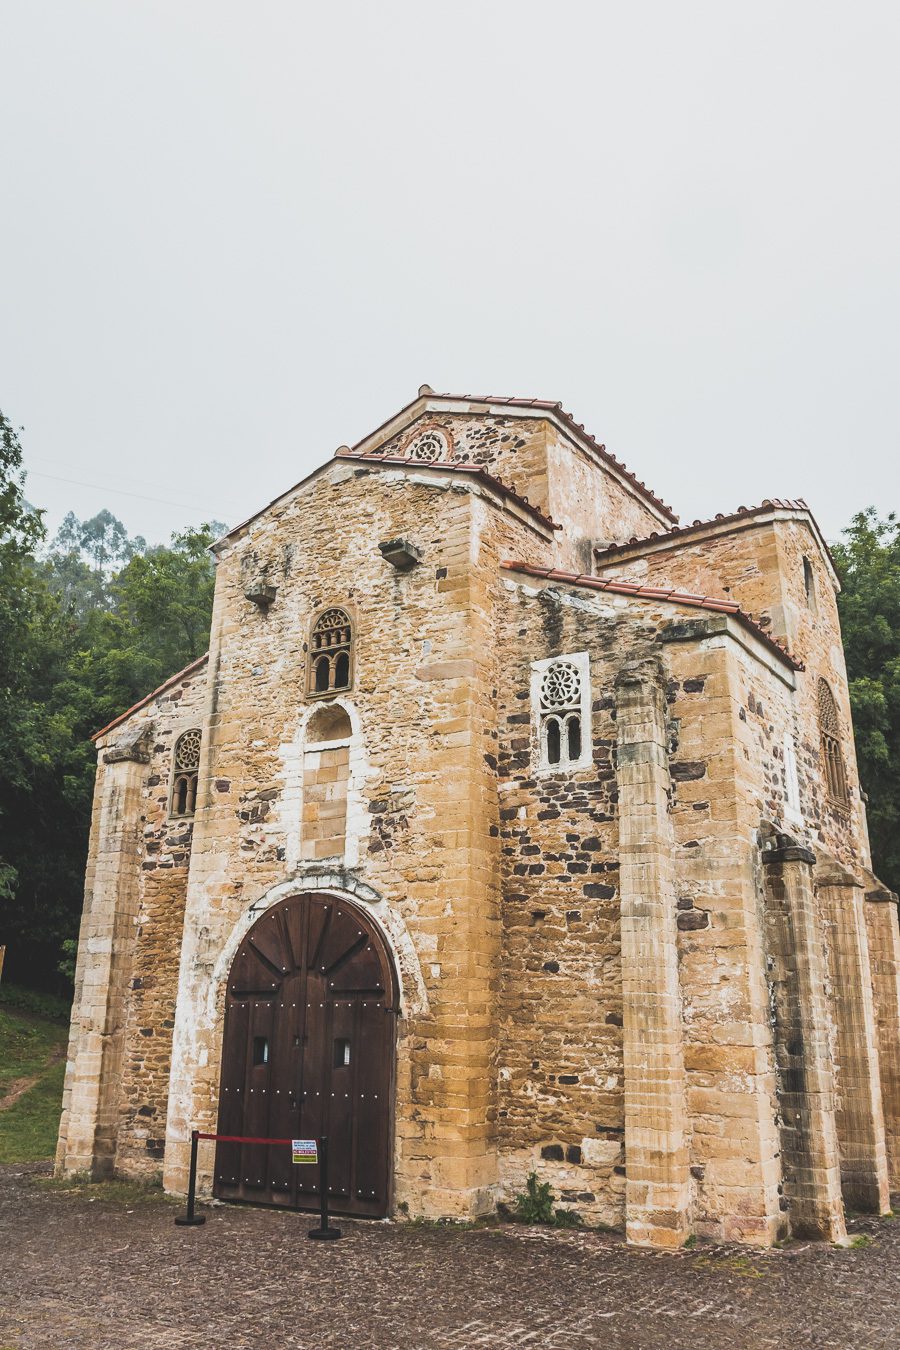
[[120, 492]]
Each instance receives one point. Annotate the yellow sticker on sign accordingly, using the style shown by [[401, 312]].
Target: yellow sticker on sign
[[304, 1151]]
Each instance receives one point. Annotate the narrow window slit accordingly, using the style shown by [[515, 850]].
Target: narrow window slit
[[553, 741], [573, 733]]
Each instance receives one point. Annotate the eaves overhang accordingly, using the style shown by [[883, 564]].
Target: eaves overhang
[[490, 486], [745, 517], [487, 404], [184, 674], [616, 586]]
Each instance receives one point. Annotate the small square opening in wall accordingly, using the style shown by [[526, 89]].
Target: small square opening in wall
[[561, 712]]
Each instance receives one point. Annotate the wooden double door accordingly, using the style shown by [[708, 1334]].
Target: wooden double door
[[308, 1051]]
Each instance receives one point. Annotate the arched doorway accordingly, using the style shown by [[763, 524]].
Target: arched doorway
[[308, 1050]]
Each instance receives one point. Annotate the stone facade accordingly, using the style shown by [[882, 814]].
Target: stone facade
[[581, 794]]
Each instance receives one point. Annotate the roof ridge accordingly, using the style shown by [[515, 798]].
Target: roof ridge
[[669, 593], [425, 393], [742, 513], [474, 470], [547, 405], [148, 698]]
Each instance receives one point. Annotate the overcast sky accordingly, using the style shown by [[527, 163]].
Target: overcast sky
[[236, 236]]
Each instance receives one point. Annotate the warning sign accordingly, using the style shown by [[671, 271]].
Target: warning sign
[[304, 1151]]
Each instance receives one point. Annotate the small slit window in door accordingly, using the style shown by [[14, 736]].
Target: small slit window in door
[[341, 1052]]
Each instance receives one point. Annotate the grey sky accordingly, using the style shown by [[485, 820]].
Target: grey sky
[[236, 236]]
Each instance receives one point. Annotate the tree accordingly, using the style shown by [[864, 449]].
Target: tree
[[21, 529], [82, 558], [868, 564], [85, 630], [102, 539]]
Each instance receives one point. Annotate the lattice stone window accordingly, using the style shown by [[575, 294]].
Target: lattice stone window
[[561, 709], [428, 445], [832, 755], [185, 770], [330, 653]]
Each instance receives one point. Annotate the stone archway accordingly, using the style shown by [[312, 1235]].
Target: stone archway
[[308, 1050]]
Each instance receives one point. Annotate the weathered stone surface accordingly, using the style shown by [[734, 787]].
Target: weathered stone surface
[[614, 966]]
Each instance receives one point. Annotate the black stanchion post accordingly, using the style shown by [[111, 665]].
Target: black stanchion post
[[323, 1233], [190, 1219]]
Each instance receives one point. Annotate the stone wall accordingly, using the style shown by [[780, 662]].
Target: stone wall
[[759, 563], [129, 948], [562, 1066], [422, 812], [554, 471], [562, 1074], [614, 974]]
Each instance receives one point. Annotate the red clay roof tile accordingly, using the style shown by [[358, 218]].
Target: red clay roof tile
[[677, 532], [566, 417], [615, 587], [148, 698], [473, 470]]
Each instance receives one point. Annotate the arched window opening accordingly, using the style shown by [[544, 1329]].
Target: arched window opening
[[832, 755], [809, 584], [573, 737], [330, 723], [326, 780], [186, 767], [554, 748], [331, 652], [561, 705]]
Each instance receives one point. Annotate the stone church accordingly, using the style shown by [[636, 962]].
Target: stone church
[[508, 826]]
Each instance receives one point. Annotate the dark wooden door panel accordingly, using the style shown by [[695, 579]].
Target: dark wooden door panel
[[308, 1050]]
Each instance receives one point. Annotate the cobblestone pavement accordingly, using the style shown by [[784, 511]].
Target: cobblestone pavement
[[101, 1274]]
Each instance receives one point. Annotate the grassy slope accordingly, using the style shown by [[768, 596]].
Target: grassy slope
[[29, 1045]]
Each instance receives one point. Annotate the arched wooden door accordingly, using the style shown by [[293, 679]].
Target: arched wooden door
[[309, 1050]]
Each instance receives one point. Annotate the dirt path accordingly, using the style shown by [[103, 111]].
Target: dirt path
[[19, 1086]]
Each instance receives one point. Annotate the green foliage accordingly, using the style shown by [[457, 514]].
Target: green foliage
[[566, 1218], [19, 998], [27, 1043], [535, 1205], [31, 1048], [87, 627], [29, 1128], [66, 966], [868, 564], [21, 530]]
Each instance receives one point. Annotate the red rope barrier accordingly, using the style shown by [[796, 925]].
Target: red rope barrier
[[241, 1139], [191, 1218]]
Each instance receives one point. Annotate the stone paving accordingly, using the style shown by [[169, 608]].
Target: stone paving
[[82, 1273]]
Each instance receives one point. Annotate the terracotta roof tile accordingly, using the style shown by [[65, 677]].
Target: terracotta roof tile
[[677, 532], [615, 587], [148, 698], [549, 406], [473, 470], [492, 399]]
